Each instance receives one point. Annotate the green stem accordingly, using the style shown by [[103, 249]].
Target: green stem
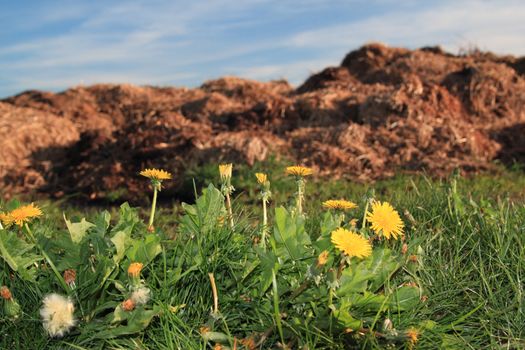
[[300, 195], [277, 313], [153, 206], [265, 224], [229, 208], [48, 259]]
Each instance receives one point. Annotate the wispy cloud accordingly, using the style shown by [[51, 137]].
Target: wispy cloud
[[168, 42]]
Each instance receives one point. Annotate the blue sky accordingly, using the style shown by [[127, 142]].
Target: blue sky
[[53, 45]]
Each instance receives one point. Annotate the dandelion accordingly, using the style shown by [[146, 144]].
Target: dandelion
[[300, 172], [339, 204], [5, 293], [128, 305], [225, 172], [249, 343], [351, 243], [141, 296], [413, 336], [218, 347], [11, 306], [385, 220], [57, 315], [70, 276], [22, 215], [262, 179], [322, 259], [134, 270], [156, 176], [6, 219]]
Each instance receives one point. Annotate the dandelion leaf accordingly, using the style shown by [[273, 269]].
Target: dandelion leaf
[[17, 254], [78, 230]]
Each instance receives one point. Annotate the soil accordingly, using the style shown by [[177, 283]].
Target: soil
[[383, 110]]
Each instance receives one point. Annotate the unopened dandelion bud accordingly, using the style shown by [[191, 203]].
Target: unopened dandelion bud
[[128, 305], [404, 249]]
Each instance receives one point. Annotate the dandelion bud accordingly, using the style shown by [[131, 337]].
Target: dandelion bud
[[128, 305], [225, 171], [404, 248], [151, 229], [387, 325]]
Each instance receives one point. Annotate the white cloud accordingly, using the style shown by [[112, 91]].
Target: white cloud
[[162, 42]]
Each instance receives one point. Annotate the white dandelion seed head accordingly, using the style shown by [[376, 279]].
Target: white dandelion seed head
[[141, 295], [57, 314]]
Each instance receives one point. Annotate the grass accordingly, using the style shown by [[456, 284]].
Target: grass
[[467, 233]]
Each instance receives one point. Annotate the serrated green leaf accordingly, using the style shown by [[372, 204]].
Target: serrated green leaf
[[77, 230]]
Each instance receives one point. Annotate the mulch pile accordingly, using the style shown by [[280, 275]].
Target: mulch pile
[[381, 111]]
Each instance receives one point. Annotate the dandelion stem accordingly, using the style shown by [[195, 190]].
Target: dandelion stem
[[300, 195], [265, 224], [153, 206], [277, 313], [48, 259], [215, 295], [229, 208]]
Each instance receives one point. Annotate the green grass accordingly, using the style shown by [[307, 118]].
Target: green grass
[[470, 233]]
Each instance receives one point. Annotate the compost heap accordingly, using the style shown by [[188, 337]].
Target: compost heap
[[383, 110]]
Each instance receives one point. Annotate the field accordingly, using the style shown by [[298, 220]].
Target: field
[[455, 280]]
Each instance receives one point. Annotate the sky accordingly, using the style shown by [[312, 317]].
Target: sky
[[53, 45]]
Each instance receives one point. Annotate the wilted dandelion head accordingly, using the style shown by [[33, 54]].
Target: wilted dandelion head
[[24, 214], [339, 204], [218, 347], [413, 335], [385, 220], [351, 243], [299, 171], [156, 174], [5, 293], [225, 171], [70, 276], [57, 315], [134, 269], [261, 178], [249, 343], [204, 329], [128, 305], [322, 258], [141, 295]]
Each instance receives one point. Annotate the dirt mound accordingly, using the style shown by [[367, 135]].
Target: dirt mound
[[382, 110]]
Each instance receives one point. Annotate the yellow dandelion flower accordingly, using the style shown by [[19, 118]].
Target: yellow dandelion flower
[[156, 174], [298, 170], [225, 171], [413, 335], [351, 243], [322, 258], [134, 269], [6, 219], [385, 220], [339, 204], [261, 178], [24, 214]]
